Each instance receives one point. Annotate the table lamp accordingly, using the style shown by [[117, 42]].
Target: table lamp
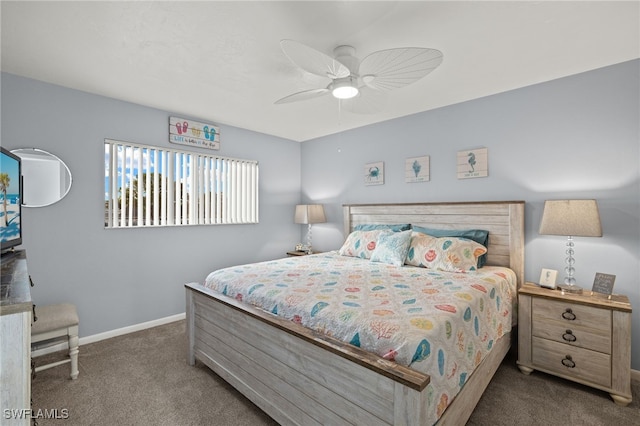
[[572, 218], [309, 214]]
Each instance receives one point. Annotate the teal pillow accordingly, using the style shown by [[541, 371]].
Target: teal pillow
[[480, 236], [375, 227], [392, 248]]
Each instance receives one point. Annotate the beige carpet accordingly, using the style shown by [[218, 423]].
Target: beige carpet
[[143, 379]]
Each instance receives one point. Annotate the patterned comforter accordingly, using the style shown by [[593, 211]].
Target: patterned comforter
[[439, 323]]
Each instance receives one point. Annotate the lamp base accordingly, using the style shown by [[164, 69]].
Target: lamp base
[[572, 289]]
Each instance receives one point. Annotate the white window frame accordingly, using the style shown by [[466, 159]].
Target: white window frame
[[184, 187]]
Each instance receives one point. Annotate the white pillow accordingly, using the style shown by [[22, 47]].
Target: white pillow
[[362, 243]]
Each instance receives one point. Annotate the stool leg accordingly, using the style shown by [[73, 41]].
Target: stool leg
[[73, 353]]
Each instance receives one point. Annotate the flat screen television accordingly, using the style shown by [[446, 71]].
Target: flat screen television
[[10, 200]]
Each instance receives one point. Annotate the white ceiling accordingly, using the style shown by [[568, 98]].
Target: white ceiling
[[221, 61]]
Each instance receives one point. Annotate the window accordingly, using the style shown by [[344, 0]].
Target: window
[[152, 186]]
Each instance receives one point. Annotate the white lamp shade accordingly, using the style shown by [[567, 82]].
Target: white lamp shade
[[309, 213], [576, 218]]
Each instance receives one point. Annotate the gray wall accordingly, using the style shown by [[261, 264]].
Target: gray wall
[[121, 277], [576, 137]]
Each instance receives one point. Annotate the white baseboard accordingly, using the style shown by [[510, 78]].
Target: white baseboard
[[635, 375], [109, 334]]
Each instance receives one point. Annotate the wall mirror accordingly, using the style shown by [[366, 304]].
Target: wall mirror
[[46, 179]]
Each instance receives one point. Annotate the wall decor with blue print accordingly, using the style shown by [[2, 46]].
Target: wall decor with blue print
[[193, 133], [473, 163], [416, 169], [374, 173]]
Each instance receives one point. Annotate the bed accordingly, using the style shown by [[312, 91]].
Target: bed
[[301, 375]]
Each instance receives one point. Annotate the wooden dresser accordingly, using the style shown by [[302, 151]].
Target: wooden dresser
[[15, 340], [581, 337]]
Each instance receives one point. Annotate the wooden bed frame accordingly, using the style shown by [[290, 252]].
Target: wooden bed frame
[[298, 376]]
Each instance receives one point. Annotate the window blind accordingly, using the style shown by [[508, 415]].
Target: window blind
[[152, 186]]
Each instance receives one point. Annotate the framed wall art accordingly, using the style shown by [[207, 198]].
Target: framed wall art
[[473, 163], [416, 169], [193, 133], [374, 173]]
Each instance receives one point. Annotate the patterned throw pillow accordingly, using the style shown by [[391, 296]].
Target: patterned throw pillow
[[392, 248], [362, 243], [480, 236], [454, 254]]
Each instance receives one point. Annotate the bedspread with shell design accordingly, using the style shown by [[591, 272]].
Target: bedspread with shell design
[[439, 323]]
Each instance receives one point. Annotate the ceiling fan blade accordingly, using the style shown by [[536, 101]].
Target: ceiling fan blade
[[394, 68], [368, 101], [313, 61], [303, 96]]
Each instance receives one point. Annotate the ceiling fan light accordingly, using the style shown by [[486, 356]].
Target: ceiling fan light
[[346, 92], [344, 88]]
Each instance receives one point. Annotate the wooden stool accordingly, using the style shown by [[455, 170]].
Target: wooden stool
[[54, 322]]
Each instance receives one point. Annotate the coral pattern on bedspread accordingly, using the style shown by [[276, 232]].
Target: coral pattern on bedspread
[[439, 323]]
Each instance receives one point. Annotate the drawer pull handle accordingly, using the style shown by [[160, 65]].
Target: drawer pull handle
[[569, 336], [568, 362], [569, 315]]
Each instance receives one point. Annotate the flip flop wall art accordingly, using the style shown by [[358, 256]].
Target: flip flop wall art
[[193, 133]]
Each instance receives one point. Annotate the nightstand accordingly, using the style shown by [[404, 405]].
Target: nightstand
[[580, 337]]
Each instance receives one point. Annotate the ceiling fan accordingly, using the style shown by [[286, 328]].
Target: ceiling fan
[[361, 85]]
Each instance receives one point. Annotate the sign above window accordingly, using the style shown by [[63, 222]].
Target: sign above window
[[193, 133]]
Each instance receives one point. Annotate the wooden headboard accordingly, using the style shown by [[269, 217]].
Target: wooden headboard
[[503, 219]]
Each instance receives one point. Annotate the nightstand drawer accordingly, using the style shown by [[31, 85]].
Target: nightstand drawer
[[570, 334], [577, 363], [572, 314]]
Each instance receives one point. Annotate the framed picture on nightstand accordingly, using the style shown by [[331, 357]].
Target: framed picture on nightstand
[[603, 283], [548, 278]]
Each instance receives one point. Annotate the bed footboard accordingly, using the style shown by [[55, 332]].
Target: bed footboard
[[296, 376], [299, 377]]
